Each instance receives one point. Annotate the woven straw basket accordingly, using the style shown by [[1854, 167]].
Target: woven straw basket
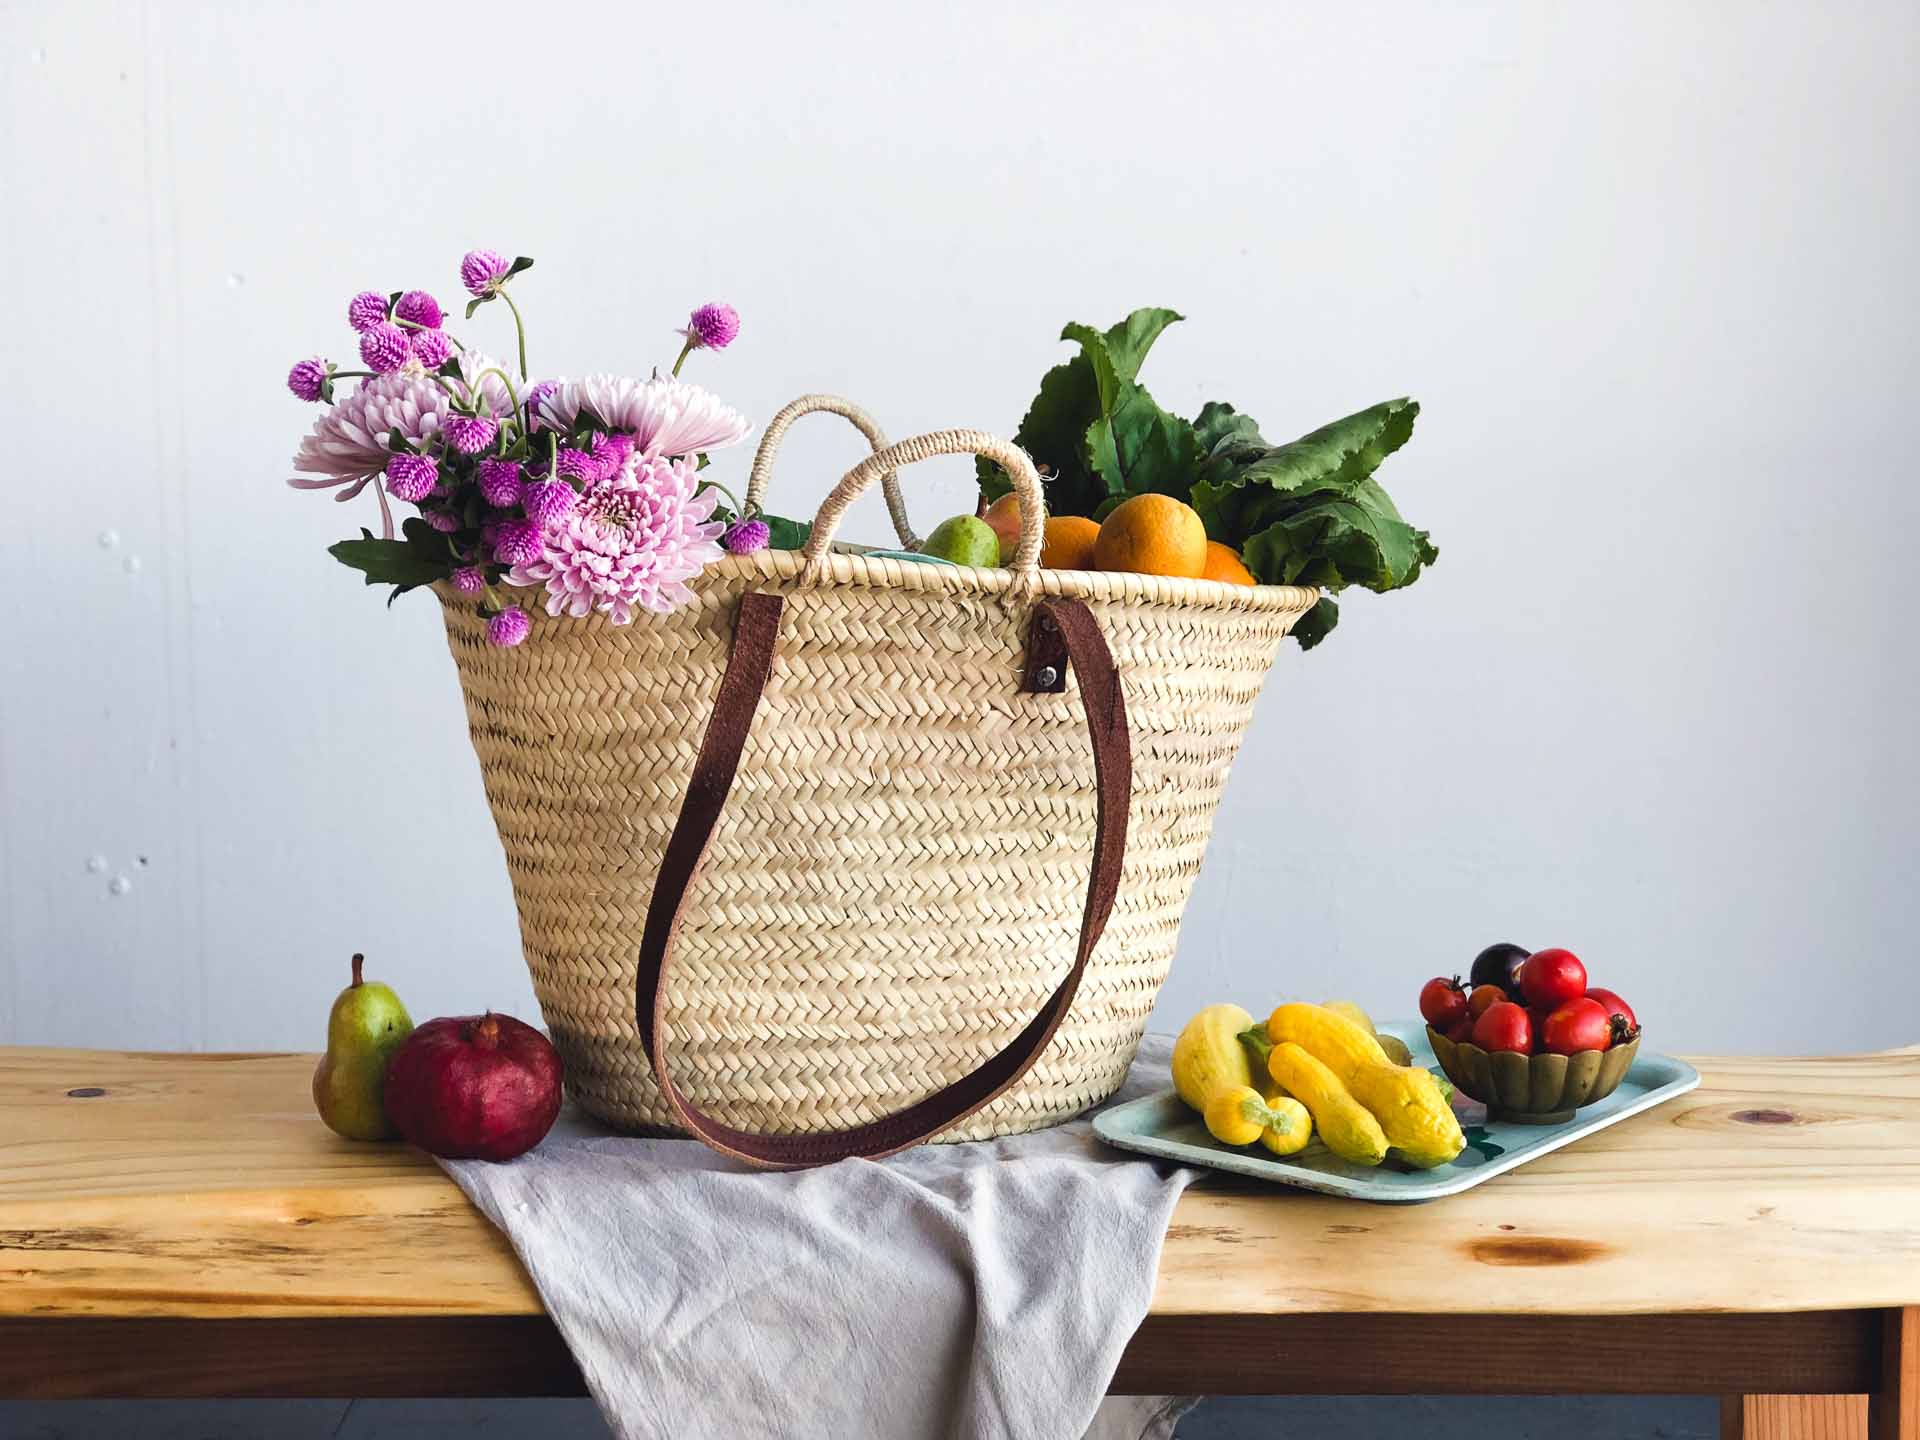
[[854, 852]]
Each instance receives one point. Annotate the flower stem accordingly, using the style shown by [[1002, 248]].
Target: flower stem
[[739, 512], [519, 330], [685, 350], [506, 380]]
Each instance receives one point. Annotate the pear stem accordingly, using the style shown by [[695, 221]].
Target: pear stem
[[358, 961]]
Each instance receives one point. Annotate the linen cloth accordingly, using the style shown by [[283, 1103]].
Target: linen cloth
[[978, 1291]]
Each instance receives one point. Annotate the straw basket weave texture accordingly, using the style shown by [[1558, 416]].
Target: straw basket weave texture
[[898, 877]]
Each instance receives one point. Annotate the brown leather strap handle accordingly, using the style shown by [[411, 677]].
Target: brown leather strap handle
[[748, 666]]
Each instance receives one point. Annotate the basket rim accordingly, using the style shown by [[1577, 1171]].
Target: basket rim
[[878, 572]]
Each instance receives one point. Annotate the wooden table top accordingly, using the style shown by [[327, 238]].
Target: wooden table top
[[203, 1186]]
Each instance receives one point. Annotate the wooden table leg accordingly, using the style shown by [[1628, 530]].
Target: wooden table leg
[[1893, 1410], [1793, 1417]]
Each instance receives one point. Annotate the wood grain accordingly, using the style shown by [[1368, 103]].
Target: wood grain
[[1226, 1355], [1794, 1417], [203, 1186]]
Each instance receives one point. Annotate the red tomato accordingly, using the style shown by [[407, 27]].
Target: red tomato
[[1504, 1026], [1462, 1031], [1615, 1005], [1538, 1017], [1482, 997], [1578, 1025], [1550, 978], [1442, 1002]]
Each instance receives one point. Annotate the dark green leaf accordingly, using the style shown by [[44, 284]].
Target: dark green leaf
[[1313, 627], [1054, 433], [1218, 421], [1137, 448], [520, 262], [393, 298], [1335, 457], [450, 368], [475, 303], [397, 442], [1129, 341], [786, 534], [1340, 541], [388, 562]]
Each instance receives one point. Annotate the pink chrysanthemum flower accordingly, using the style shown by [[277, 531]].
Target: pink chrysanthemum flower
[[430, 347], [481, 271], [534, 397], [308, 379], [630, 543], [366, 310], [548, 501], [412, 477], [470, 434], [420, 308], [347, 447], [712, 327], [664, 416], [469, 579], [499, 482], [508, 628], [383, 347]]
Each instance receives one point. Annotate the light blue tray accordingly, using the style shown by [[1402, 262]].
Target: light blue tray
[[1162, 1125]]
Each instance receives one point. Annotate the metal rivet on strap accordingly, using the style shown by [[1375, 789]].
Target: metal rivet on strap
[[1047, 677]]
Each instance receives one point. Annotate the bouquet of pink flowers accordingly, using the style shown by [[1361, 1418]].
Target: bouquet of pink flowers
[[582, 494]]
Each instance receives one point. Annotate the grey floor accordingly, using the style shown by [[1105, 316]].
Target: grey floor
[[1275, 1419]]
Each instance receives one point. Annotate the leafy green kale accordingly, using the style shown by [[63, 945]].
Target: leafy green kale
[[1304, 513]]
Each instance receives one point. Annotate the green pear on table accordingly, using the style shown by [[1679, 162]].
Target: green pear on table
[[366, 1026]]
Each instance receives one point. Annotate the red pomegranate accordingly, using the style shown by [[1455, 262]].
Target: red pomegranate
[[474, 1087]]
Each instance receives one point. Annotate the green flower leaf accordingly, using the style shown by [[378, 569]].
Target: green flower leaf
[[475, 303], [785, 534], [520, 262], [449, 368]]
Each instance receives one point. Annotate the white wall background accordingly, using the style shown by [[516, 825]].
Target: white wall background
[[1649, 267]]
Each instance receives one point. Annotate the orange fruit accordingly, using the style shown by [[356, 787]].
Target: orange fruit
[[1003, 517], [1223, 563], [1069, 542], [1152, 535]]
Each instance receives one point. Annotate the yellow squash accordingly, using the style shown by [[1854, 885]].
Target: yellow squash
[[1239, 1115], [1331, 1038], [1353, 1012], [1415, 1117], [1289, 1127], [1236, 1115], [1208, 1055], [1343, 1122]]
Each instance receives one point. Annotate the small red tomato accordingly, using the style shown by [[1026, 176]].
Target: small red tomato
[[1578, 1025], [1462, 1031], [1442, 1002], [1483, 996], [1615, 1005], [1550, 978], [1504, 1026], [1538, 1019]]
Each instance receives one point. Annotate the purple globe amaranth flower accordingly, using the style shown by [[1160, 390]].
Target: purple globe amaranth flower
[[366, 310], [384, 348], [535, 397], [712, 327], [508, 628], [499, 482], [431, 348], [443, 520], [610, 453], [481, 271], [516, 542], [420, 308], [308, 379], [578, 465], [546, 501], [470, 434], [469, 579], [743, 537], [412, 477]]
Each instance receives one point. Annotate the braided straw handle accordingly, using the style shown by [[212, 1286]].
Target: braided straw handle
[[1004, 453], [762, 473]]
